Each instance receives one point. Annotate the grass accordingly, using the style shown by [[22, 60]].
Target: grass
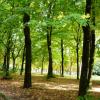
[[3, 97], [87, 97]]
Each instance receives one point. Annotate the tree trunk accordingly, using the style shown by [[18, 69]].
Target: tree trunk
[[42, 65], [60, 69], [92, 50], [92, 45], [77, 56], [8, 62], [4, 63], [62, 57], [71, 63], [85, 55], [49, 33], [50, 69], [23, 58], [27, 77], [14, 64], [85, 62]]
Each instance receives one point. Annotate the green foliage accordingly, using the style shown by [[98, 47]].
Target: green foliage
[[61, 22], [96, 68], [66, 16], [3, 97], [87, 97]]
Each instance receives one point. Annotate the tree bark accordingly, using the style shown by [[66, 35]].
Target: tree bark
[[91, 62], [49, 33], [50, 68], [71, 63], [85, 62], [92, 45], [14, 64], [8, 62], [4, 62], [27, 77], [62, 57], [86, 54], [77, 56], [42, 65], [78, 42], [23, 58], [60, 69]]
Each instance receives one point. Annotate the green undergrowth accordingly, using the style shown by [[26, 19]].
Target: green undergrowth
[[87, 97], [1, 73], [3, 97]]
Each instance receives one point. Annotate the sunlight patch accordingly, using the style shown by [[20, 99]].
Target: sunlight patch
[[57, 87], [95, 89]]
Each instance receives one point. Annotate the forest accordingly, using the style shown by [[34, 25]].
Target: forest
[[49, 50]]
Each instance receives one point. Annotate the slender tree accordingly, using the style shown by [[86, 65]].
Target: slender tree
[[62, 57], [77, 54], [77, 39], [15, 55], [27, 78], [92, 43], [42, 64], [49, 35], [9, 41], [86, 53], [4, 62], [23, 59], [50, 68], [8, 54]]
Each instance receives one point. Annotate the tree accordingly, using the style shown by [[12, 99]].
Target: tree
[[23, 59], [27, 77], [10, 23], [77, 39], [49, 34], [42, 64], [92, 42], [16, 48], [86, 53], [62, 56]]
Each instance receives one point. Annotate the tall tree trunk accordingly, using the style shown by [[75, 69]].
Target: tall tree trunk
[[77, 56], [27, 77], [23, 58], [85, 62], [85, 55], [42, 65], [4, 62], [91, 62], [62, 57], [14, 64], [60, 69], [50, 14], [92, 45], [71, 63], [49, 33], [50, 68], [78, 42], [8, 62]]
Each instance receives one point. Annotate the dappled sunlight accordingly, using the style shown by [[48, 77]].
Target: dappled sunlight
[[42, 89], [15, 83], [66, 87], [56, 86], [95, 89]]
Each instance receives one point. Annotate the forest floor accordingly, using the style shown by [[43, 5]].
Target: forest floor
[[43, 89]]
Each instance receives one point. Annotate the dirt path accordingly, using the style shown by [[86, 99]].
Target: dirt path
[[42, 89]]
